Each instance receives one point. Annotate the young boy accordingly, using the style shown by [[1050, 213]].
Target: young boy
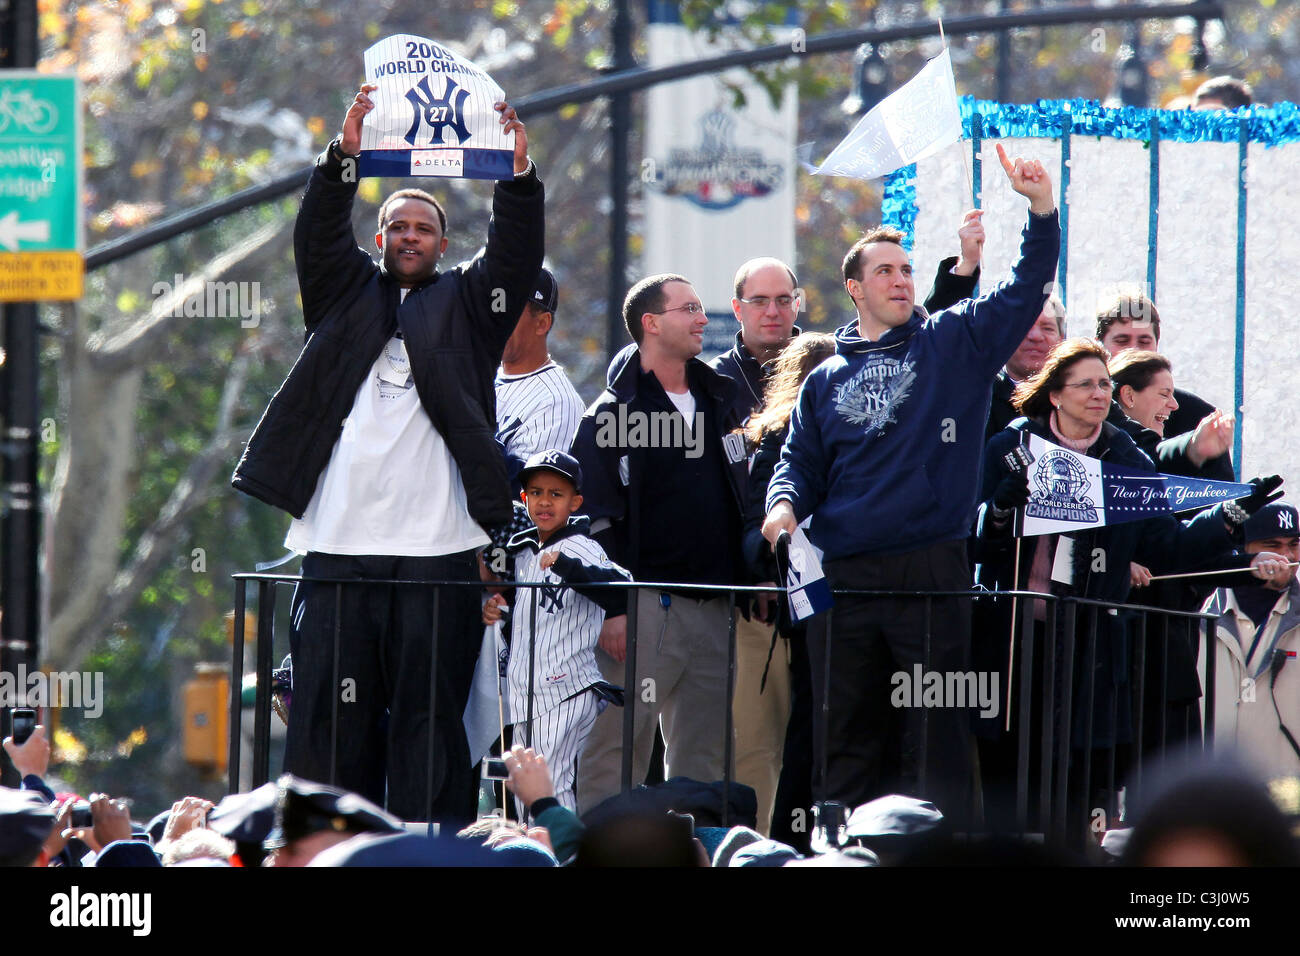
[[552, 673]]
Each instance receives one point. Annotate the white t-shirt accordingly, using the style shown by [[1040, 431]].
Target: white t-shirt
[[685, 403], [391, 485]]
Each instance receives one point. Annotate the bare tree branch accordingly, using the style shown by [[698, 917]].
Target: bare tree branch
[[126, 347]]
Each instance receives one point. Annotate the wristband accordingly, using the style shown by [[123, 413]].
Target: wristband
[[538, 807], [336, 147], [1235, 512]]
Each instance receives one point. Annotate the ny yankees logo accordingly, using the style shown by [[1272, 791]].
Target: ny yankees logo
[[438, 112], [1284, 520], [552, 598]]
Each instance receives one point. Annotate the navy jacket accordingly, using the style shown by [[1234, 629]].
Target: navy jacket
[[616, 477], [885, 441], [1164, 544]]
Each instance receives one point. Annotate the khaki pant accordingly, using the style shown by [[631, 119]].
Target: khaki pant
[[681, 683], [760, 718]]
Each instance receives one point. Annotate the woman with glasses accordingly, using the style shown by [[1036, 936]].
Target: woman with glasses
[[1067, 403]]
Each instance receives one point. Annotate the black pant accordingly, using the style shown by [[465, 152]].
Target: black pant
[[792, 810], [384, 642], [872, 747]]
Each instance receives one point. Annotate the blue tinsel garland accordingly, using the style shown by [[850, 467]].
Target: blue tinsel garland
[[1270, 125]]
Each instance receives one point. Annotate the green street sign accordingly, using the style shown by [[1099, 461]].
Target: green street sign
[[41, 240]]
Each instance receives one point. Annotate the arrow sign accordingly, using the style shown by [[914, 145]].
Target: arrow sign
[[12, 231]]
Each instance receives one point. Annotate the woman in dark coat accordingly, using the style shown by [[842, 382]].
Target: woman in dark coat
[[767, 429], [1067, 403], [1144, 393]]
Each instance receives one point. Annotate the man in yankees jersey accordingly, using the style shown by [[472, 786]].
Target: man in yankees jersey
[[555, 687], [537, 409]]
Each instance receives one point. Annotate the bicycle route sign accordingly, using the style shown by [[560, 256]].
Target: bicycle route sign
[[41, 241]]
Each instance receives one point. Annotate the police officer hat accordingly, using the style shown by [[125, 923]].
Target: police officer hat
[[1276, 520], [26, 822], [303, 808], [246, 817], [556, 461]]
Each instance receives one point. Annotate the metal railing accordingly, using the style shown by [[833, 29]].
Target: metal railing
[[1049, 660]]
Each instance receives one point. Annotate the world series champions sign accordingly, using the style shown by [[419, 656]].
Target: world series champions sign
[[433, 114]]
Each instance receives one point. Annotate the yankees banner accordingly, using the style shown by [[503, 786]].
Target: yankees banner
[[1069, 491], [433, 115], [805, 582]]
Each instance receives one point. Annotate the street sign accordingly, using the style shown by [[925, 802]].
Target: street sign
[[41, 240]]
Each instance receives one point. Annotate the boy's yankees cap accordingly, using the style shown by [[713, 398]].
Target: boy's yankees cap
[[556, 461], [1276, 520], [546, 294]]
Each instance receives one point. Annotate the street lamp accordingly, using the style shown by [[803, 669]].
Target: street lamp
[[871, 81]]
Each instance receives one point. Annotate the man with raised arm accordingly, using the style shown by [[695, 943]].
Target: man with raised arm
[[381, 445], [883, 456]]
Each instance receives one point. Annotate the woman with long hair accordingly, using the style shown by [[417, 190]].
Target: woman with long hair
[[767, 429], [1067, 403]]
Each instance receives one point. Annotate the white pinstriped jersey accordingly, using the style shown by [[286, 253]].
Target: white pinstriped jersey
[[537, 411], [568, 624]]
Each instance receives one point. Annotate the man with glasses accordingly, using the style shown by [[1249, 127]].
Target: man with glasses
[[883, 454], [664, 486]]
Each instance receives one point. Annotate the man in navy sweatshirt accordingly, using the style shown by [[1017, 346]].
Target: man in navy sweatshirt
[[883, 456]]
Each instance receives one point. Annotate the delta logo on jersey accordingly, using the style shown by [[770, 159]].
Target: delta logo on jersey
[[716, 174]]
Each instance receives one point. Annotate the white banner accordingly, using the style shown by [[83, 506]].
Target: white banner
[[719, 181], [1065, 490], [433, 114], [912, 123]]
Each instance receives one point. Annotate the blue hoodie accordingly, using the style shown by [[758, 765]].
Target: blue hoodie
[[886, 439]]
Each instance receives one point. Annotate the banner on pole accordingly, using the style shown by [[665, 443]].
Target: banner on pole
[[914, 122], [719, 179], [1069, 492]]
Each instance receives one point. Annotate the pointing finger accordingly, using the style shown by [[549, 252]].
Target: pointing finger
[[1002, 157]]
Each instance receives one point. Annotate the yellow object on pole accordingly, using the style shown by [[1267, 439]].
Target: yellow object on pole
[[207, 718]]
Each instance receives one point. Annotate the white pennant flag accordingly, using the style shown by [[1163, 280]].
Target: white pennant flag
[[911, 123]]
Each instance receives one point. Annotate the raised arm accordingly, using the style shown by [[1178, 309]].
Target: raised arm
[[958, 275], [326, 253], [500, 279]]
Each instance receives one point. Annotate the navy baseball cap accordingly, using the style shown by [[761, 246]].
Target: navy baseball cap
[[303, 808], [246, 817], [546, 294], [1276, 520], [26, 821], [556, 461]]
